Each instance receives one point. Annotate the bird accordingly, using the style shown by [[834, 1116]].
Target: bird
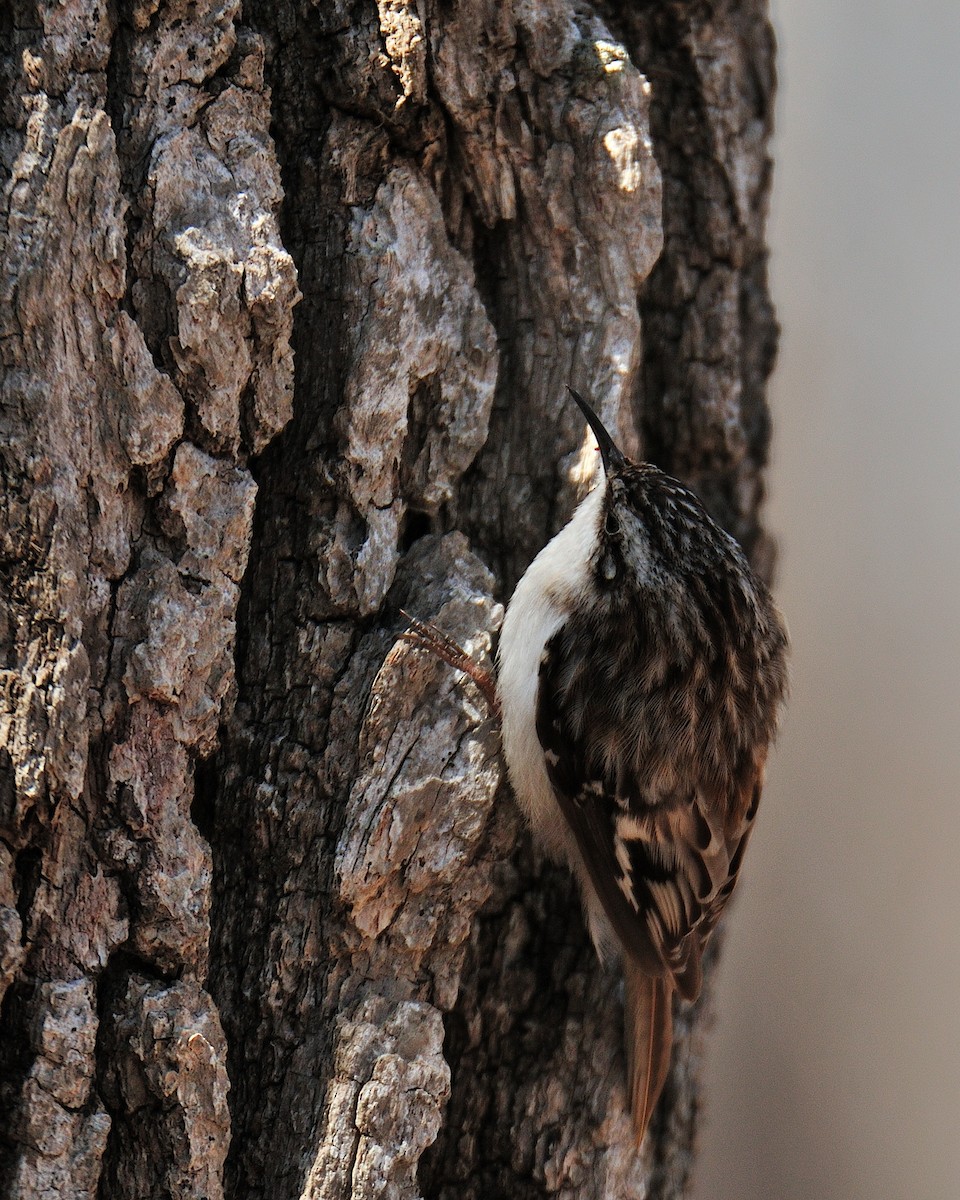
[[641, 671]]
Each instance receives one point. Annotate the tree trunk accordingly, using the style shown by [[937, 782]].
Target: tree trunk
[[270, 924]]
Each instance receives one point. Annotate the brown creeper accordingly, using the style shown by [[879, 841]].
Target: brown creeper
[[640, 672]]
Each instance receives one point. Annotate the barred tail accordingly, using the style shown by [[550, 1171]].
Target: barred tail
[[649, 1037]]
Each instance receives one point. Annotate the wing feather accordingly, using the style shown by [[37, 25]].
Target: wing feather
[[662, 859]]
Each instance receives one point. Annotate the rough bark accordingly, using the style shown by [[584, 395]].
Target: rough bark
[[269, 924]]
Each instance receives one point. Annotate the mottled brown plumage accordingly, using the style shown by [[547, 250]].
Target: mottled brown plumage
[[641, 671]]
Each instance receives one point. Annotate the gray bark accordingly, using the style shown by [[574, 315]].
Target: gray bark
[[269, 923]]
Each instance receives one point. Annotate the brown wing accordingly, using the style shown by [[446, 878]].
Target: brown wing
[[663, 863]]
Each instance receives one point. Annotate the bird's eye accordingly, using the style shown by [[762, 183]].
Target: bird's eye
[[611, 525]]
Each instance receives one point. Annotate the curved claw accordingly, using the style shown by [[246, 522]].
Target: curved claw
[[429, 637]]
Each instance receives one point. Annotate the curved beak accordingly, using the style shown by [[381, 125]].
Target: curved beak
[[613, 459]]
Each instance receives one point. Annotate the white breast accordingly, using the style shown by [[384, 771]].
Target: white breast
[[544, 598]]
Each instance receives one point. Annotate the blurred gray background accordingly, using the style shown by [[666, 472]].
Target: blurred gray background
[[835, 1070]]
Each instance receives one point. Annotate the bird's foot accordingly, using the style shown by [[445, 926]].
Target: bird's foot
[[429, 637]]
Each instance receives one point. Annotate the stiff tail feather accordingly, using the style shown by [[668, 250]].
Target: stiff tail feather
[[649, 1037]]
